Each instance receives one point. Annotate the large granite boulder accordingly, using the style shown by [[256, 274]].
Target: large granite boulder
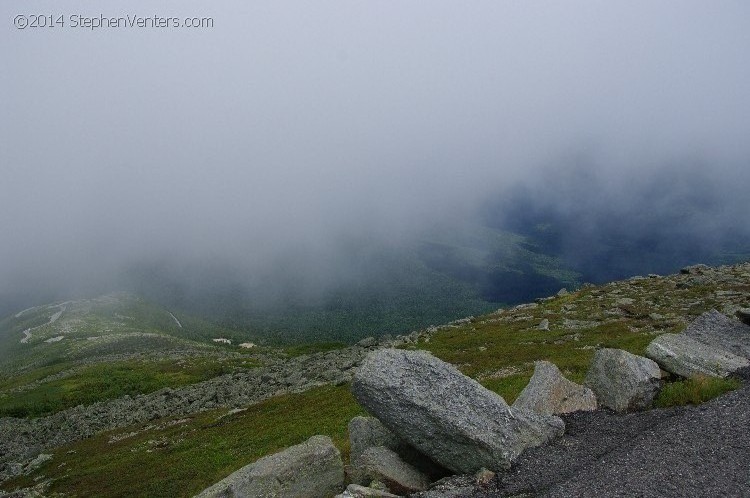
[[312, 469], [549, 393], [682, 355], [447, 416], [623, 381], [716, 329], [384, 465]]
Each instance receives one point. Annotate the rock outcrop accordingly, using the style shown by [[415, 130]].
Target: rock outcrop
[[623, 381], [447, 416], [549, 393], [312, 469], [682, 355]]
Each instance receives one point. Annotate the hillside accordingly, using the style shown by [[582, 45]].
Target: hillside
[[63, 354], [188, 436]]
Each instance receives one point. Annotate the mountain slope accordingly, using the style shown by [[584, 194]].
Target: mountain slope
[[189, 452]]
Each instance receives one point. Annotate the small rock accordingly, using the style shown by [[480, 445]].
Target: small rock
[[623, 381], [549, 393], [357, 491], [543, 325], [694, 269], [562, 292], [368, 342], [484, 476]]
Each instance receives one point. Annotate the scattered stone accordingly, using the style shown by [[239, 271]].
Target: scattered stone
[[459, 486], [562, 292], [543, 325], [623, 381], [368, 342], [549, 393], [625, 301], [718, 330], [682, 355], [383, 464], [656, 317], [447, 416], [694, 269], [357, 491], [310, 469], [744, 315], [579, 324], [484, 476]]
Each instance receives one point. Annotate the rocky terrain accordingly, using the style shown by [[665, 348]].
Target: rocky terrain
[[597, 337]]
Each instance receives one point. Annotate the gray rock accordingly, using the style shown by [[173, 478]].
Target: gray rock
[[447, 416], [312, 469], [549, 393], [357, 491], [368, 432], [744, 315], [543, 325], [623, 381], [383, 464], [718, 330], [368, 342], [694, 269], [682, 355], [459, 486], [563, 292]]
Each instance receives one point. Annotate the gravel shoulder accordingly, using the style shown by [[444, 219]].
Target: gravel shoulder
[[693, 451]]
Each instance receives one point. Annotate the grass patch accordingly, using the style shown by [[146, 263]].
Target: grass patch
[[694, 391], [181, 457], [109, 381], [315, 347]]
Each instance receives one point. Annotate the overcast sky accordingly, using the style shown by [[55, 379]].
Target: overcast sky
[[288, 123]]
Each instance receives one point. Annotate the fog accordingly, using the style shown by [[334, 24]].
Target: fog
[[291, 135]]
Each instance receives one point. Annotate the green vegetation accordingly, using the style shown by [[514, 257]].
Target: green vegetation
[[441, 276], [106, 381], [180, 457], [315, 347], [694, 391]]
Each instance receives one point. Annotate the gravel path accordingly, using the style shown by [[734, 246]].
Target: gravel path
[[679, 452]]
